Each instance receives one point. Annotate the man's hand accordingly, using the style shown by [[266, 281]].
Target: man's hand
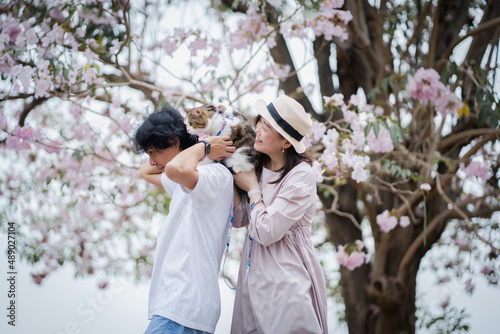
[[221, 147]]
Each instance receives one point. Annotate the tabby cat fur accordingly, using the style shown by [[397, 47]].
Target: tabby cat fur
[[209, 120]]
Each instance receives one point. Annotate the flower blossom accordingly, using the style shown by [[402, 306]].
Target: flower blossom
[[335, 100], [330, 139], [351, 256], [425, 187], [318, 172], [382, 143], [424, 85], [476, 168], [386, 221], [404, 221], [330, 159], [197, 44]]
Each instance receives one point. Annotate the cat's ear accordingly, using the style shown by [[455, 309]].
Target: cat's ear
[[225, 109], [186, 110], [221, 108]]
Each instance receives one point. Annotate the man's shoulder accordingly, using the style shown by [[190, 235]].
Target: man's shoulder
[[216, 168]]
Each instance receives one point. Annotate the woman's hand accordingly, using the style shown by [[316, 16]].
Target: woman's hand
[[221, 147], [246, 180]]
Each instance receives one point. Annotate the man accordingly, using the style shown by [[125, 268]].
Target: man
[[184, 293]]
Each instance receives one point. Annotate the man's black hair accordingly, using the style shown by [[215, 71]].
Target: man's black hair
[[161, 130]]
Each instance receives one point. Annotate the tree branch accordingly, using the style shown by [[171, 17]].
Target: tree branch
[[480, 28], [467, 136]]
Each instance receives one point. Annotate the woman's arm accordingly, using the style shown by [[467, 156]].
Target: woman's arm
[[294, 202]]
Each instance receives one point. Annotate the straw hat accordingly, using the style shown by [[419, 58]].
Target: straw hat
[[288, 117]]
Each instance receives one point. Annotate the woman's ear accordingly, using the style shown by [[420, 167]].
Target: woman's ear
[[287, 144]]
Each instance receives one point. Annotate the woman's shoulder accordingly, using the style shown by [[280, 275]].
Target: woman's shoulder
[[302, 171]]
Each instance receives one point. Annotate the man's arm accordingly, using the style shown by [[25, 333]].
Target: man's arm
[[151, 174], [182, 168]]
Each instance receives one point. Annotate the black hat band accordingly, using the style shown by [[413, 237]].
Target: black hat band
[[283, 124]]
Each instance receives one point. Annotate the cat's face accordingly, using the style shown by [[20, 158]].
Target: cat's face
[[200, 119]]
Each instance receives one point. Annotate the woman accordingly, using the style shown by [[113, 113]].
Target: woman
[[285, 289]]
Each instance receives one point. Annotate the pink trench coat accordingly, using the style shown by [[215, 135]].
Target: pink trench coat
[[285, 291]]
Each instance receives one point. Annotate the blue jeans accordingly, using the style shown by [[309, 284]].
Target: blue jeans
[[161, 325]]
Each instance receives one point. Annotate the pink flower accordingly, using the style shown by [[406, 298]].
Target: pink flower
[[351, 255], [447, 102], [378, 110], [358, 139], [25, 132], [25, 77], [318, 130], [38, 278], [336, 100], [90, 55], [354, 100], [42, 87], [381, 143], [476, 168], [424, 85], [16, 143], [197, 44], [349, 115], [330, 139], [386, 221], [212, 60], [425, 187], [487, 271], [330, 159], [115, 46], [331, 4], [89, 75], [359, 175], [318, 172], [404, 221]]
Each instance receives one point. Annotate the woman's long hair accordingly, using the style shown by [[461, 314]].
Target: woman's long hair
[[292, 159]]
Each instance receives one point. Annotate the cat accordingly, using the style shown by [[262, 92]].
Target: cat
[[223, 120]]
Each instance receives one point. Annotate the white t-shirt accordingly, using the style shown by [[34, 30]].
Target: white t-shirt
[[184, 284]]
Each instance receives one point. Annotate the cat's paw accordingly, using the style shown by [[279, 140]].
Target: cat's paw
[[238, 168]]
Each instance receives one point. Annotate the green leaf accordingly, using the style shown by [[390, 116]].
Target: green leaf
[[387, 164], [394, 169], [376, 129], [56, 71], [384, 84], [453, 67], [367, 129], [483, 115], [400, 134], [494, 119], [383, 122], [65, 74], [77, 155], [394, 135], [391, 82], [373, 94]]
